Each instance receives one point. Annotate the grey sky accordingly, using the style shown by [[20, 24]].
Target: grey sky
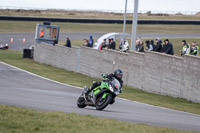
[[147, 5]]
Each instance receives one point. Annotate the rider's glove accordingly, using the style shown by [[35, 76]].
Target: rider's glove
[[104, 76]]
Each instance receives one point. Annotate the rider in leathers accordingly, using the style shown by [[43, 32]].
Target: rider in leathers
[[117, 74]]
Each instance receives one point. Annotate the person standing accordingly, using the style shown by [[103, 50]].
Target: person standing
[[113, 44], [86, 43], [42, 34], [150, 45], [185, 49], [140, 46], [103, 45], [109, 43], [68, 42], [158, 46], [168, 47], [91, 41], [195, 49]]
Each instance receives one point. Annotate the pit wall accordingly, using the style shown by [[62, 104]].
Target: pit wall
[[150, 71]]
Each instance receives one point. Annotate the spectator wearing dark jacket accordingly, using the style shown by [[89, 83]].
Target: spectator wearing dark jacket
[[113, 44], [140, 46], [168, 48], [150, 46], [153, 45], [109, 43], [158, 46], [68, 42]]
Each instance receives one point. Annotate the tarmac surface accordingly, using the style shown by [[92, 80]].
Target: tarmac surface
[[29, 37], [23, 89]]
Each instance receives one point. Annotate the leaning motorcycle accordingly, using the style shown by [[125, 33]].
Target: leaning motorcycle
[[100, 96]]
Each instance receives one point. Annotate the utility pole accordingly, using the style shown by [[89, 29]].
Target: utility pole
[[124, 26], [134, 25]]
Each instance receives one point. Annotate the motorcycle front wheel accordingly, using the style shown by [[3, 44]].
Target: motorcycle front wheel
[[103, 103], [81, 102]]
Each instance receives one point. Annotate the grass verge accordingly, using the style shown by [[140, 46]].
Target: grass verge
[[23, 26], [15, 119], [72, 78]]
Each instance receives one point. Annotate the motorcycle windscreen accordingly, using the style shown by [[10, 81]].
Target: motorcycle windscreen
[[116, 84]]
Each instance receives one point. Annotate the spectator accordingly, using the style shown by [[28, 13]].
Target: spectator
[[113, 44], [194, 50], [109, 43], [139, 38], [139, 46], [137, 42], [103, 45], [158, 46], [91, 41], [121, 44], [150, 45], [185, 49], [42, 34], [124, 47], [153, 45], [68, 42], [168, 47], [86, 43]]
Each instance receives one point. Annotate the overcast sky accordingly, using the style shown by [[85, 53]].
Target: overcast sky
[[147, 5]]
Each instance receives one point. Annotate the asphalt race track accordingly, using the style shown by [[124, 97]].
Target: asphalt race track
[[18, 37], [23, 89]]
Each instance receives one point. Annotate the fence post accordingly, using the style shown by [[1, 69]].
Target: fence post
[[78, 60]]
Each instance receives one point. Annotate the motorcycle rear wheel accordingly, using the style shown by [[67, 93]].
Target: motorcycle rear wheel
[[104, 104]]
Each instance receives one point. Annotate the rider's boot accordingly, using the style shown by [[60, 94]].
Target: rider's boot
[[87, 91]]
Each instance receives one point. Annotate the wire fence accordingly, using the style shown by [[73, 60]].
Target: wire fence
[[103, 10]]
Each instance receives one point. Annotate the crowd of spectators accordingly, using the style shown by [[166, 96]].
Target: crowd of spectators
[[158, 46], [111, 44], [166, 47], [88, 43]]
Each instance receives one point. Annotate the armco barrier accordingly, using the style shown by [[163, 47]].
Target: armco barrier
[[105, 21], [150, 71]]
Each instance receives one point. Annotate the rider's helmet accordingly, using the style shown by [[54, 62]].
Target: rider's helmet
[[118, 74]]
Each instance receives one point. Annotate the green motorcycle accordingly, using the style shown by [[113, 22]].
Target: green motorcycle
[[100, 96]]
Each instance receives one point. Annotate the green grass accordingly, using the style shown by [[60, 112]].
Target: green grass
[[23, 120], [72, 78], [22, 26]]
